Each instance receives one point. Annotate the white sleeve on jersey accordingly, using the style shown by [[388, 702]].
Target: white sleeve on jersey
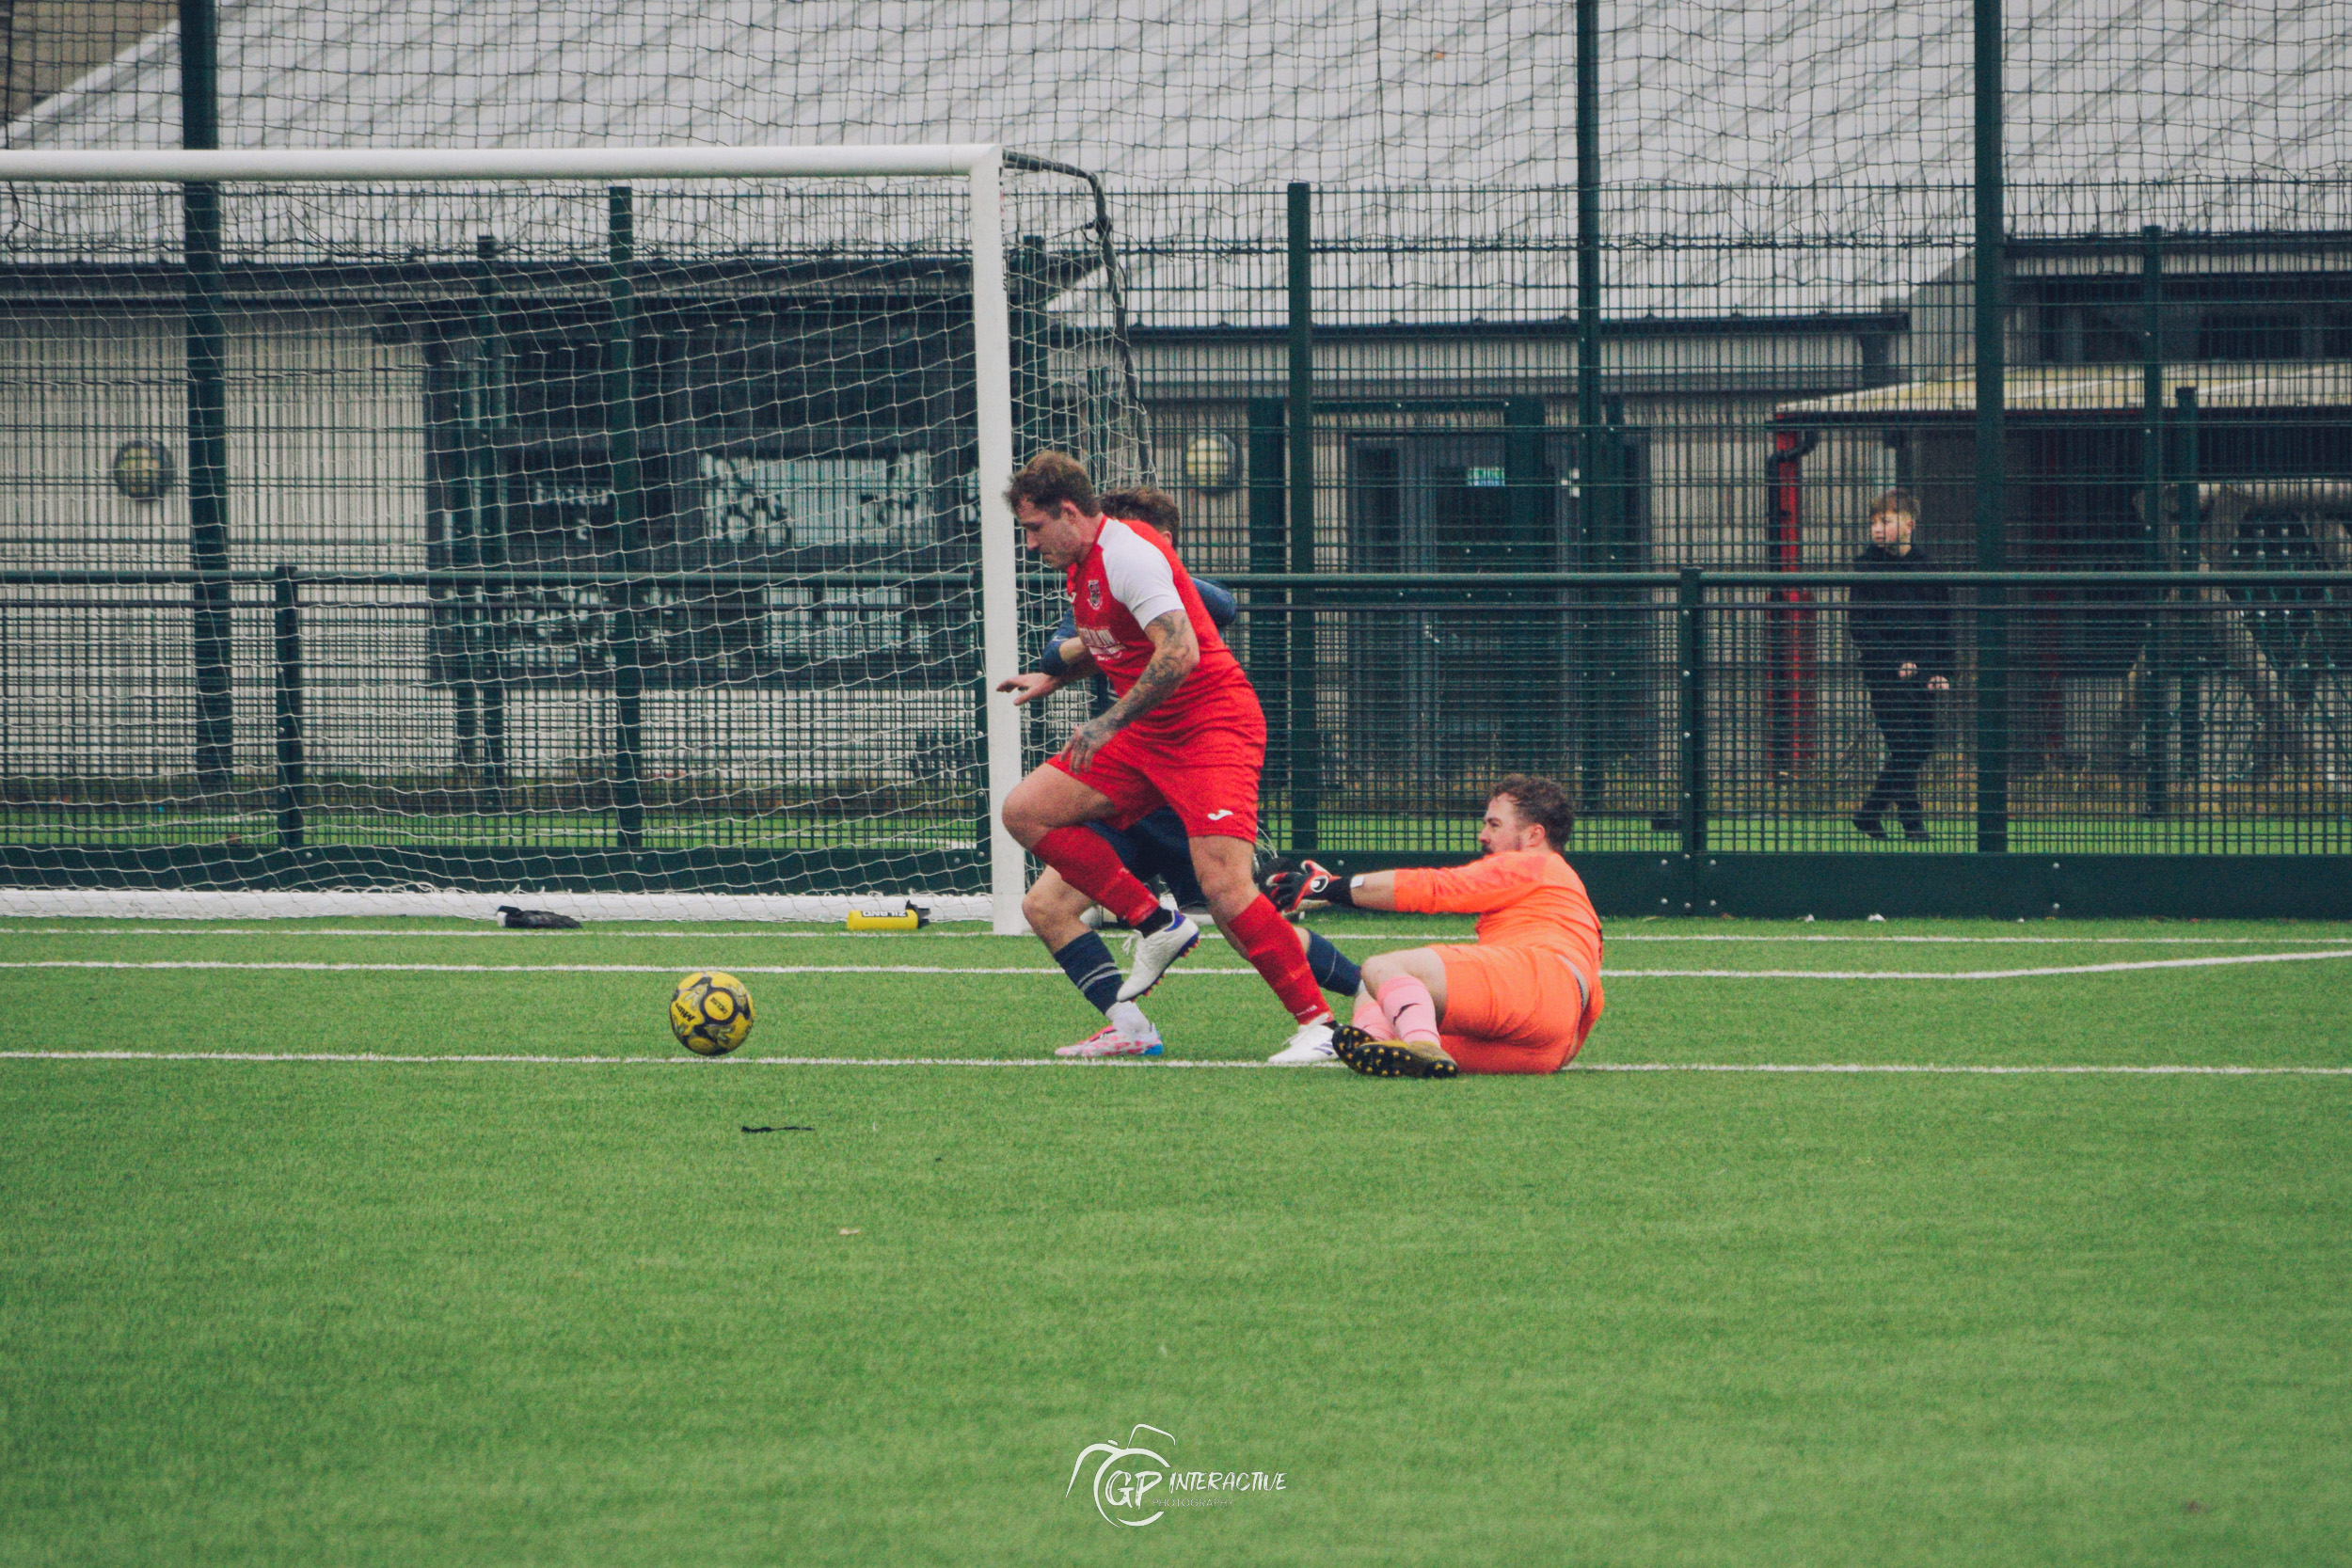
[[1139, 576]]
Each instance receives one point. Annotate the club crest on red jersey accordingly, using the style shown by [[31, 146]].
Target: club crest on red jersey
[[1095, 594]]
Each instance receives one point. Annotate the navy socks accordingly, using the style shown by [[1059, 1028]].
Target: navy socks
[[1334, 971], [1089, 963]]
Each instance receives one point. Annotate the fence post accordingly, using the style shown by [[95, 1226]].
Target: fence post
[[207, 398], [1532, 730], [1026, 283], [1691, 602], [1610, 651], [1591, 761], [1304, 765], [620, 400], [465, 541], [488, 495], [1992, 440], [2157, 649], [2191, 558], [1269, 551], [289, 629]]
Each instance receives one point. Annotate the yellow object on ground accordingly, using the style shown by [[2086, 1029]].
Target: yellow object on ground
[[910, 919]]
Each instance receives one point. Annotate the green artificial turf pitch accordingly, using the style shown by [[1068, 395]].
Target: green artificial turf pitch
[[523, 1312]]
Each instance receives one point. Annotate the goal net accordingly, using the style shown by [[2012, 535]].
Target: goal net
[[615, 530]]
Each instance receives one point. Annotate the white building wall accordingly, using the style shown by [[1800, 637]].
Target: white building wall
[[326, 473]]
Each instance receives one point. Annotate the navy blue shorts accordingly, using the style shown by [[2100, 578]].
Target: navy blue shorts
[[1157, 846]]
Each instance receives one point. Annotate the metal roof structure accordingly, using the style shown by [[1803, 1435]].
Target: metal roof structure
[[1792, 157], [2107, 389]]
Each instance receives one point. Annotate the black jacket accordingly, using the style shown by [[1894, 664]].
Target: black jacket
[[1894, 622]]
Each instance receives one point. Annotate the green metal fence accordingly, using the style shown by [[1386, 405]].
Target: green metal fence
[[1532, 373], [1695, 714]]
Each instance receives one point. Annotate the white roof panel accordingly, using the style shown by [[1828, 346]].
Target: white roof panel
[[1719, 117]]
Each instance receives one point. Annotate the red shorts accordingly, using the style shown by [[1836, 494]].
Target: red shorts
[[1517, 1009], [1208, 774]]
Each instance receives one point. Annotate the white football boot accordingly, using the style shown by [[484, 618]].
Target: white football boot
[[1312, 1044], [1149, 957], [1110, 1040]]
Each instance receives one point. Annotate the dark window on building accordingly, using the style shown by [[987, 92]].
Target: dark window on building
[[2249, 334], [2216, 315], [1375, 512], [1482, 685], [769, 438], [2089, 335], [2335, 334]]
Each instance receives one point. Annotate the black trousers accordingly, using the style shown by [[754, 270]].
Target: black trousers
[[1904, 711]]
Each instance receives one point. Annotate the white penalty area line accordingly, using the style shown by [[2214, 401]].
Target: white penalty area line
[[196, 930], [1833, 1068], [121, 965], [1945, 1068]]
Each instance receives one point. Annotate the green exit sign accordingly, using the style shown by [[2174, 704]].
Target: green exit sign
[[1486, 479]]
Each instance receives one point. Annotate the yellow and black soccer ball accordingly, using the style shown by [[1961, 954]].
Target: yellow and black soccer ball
[[710, 1012]]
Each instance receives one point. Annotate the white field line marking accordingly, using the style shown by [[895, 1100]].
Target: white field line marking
[[197, 929], [943, 968], [547, 969], [1939, 1067], [681, 1060], [1855, 1069], [1967, 974], [2001, 941]]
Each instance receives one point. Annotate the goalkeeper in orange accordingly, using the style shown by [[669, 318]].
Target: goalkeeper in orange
[[1522, 999]]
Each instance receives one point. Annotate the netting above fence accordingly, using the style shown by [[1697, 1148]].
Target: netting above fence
[[1152, 92]]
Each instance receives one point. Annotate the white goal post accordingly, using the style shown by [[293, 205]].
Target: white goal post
[[979, 165]]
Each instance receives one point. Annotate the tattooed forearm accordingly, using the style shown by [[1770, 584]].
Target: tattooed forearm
[[1175, 652]]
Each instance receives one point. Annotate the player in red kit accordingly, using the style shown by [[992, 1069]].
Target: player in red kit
[[1186, 732]]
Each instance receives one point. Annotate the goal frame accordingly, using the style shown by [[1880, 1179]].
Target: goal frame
[[980, 165]]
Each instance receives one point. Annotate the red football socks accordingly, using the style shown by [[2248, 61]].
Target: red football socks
[[1273, 950], [1088, 863], [1411, 1006]]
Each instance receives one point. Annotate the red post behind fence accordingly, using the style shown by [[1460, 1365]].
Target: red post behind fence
[[1791, 650]]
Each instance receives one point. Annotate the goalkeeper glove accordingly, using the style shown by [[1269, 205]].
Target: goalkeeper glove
[[1289, 888]]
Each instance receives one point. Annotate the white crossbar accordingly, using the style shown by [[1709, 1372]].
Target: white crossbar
[[282, 165]]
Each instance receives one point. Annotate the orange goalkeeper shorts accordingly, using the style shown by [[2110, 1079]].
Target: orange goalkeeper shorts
[[1517, 1010]]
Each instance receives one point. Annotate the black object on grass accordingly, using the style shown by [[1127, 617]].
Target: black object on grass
[[536, 920], [779, 1130]]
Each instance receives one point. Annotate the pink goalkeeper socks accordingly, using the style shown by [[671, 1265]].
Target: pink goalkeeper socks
[[1370, 1019], [1411, 1008]]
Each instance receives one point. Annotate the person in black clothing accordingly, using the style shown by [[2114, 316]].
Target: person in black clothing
[[1902, 638]]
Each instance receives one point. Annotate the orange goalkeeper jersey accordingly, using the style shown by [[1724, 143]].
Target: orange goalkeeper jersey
[[1524, 898]]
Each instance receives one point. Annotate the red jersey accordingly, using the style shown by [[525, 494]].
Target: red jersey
[[1128, 578]]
